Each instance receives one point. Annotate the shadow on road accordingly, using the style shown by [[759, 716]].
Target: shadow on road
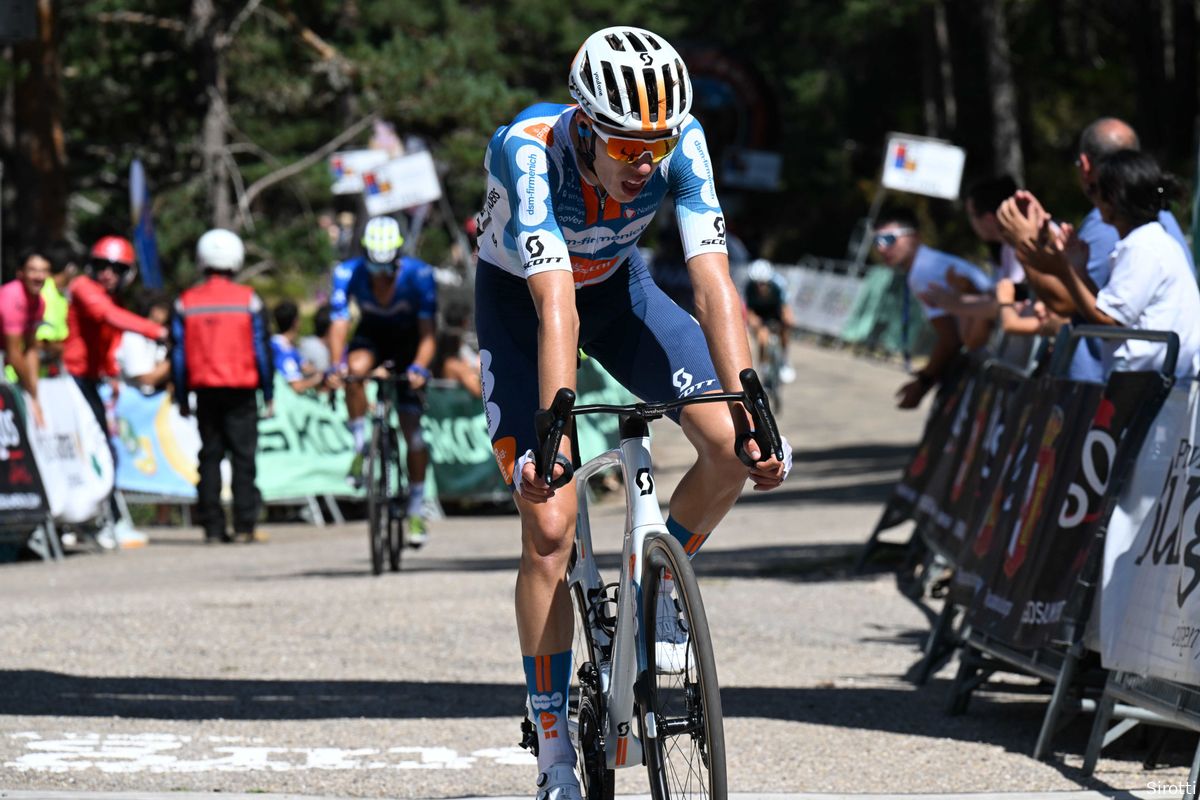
[[802, 562]]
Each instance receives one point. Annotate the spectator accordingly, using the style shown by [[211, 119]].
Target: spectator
[[315, 348], [222, 351], [899, 244], [1026, 225], [449, 363], [299, 374], [21, 308], [52, 335], [982, 202], [95, 320], [1150, 285], [143, 362]]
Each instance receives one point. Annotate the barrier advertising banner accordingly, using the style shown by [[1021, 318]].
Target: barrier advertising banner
[[156, 448], [304, 450], [71, 451], [22, 498], [1150, 609]]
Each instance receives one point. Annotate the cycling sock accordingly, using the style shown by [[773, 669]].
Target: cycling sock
[[548, 679], [692, 542], [416, 498], [358, 429]]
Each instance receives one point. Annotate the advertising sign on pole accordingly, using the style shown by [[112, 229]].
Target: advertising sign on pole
[[346, 168], [923, 166], [401, 183]]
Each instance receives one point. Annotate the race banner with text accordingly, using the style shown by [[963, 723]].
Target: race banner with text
[[72, 452], [1150, 607], [22, 498], [1080, 504]]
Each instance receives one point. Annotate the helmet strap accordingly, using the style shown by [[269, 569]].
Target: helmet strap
[[587, 149]]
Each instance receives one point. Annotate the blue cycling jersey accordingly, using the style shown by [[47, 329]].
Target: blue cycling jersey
[[541, 214], [414, 298]]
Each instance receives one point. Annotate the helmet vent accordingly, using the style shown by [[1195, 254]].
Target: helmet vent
[[614, 41], [610, 83], [651, 93], [657, 45], [635, 42], [683, 83], [669, 84], [631, 87], [587, 74]]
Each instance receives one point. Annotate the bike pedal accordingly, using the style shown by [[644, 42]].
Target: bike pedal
[[529, 739]]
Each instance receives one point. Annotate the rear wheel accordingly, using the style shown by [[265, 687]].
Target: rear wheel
[[682, 721], [395, 536], [375, 470], [586, 715]]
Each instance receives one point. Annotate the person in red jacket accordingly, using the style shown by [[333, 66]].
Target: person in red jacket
[[95, 321], [222, 351]]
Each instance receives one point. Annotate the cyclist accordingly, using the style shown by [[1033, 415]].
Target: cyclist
[[397, 300], [767, 309], [570, 190]]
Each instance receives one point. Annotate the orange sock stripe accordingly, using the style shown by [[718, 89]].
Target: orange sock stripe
[[541, 670]]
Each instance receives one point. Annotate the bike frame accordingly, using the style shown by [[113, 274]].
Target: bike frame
[[622, 674]]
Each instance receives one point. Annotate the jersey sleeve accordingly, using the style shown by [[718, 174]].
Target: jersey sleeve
[[525, 170], [692, 183], [339, 298], [426, 292]]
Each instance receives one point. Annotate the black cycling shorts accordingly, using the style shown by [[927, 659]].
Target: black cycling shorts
[[388, 341]]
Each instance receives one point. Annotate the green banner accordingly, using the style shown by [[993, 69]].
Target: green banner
[[305, 449], [456, 430], [877, 318]]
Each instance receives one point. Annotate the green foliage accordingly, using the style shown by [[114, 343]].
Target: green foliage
[[838, 77]]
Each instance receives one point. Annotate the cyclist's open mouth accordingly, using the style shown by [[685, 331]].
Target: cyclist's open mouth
[[633, 187]]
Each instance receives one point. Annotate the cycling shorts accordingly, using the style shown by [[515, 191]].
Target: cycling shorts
[[388, 341], [651, 346], [770, 313]]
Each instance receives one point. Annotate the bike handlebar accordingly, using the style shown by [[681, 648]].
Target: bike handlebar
[[550, 424]]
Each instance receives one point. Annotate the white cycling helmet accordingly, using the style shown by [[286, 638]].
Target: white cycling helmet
[[220, 250], [632, 80], [760, 270], [382, 241]]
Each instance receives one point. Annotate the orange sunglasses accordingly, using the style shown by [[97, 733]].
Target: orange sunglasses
[[631, 150]]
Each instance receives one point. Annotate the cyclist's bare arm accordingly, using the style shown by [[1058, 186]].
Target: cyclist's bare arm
[[338, 330], [719, 311], [553, 295], [426, 347]]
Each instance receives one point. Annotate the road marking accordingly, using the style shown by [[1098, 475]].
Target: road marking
[[126, 753]]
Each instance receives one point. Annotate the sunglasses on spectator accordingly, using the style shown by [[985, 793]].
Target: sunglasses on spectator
[[101, 264], [884, 240], [631, 150]]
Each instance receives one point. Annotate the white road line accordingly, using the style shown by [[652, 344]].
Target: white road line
[[127, 753]]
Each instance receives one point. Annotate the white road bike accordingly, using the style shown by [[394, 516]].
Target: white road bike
[[626, 707]]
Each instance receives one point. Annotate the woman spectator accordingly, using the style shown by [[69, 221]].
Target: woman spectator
[[1151, 286]]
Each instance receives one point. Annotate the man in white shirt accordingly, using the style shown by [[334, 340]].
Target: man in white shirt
[[898, 242], [143, 362]]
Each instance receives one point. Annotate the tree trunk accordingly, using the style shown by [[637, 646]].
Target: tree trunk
[[203, 35], [1184, 87], [1006, 129], [41, 168]]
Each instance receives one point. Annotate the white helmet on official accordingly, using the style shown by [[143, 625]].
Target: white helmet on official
[[632, 80], [382, 242], [220, 250], [760, 270]]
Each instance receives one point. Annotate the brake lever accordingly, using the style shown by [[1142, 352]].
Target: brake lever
[[766, 431], [550, 425]]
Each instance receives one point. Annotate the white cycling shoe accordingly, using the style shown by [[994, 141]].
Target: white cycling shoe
[[559, 782], [671, 638], [787, 373]]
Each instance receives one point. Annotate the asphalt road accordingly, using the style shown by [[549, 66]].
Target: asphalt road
[[286, 668]]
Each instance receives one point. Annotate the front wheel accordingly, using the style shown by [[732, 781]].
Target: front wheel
[[375, 470], [586, 714], [681, 718]]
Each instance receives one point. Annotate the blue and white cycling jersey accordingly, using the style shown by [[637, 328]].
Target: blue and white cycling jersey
[[540, 214], [415, 295]]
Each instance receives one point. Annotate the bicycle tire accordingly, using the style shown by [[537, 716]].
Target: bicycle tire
[[375, 469], [586, 715], [686, 756]]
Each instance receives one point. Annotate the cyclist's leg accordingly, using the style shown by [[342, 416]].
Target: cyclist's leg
[[417, 462], [360, 360], [658, 351], [507, 325]]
